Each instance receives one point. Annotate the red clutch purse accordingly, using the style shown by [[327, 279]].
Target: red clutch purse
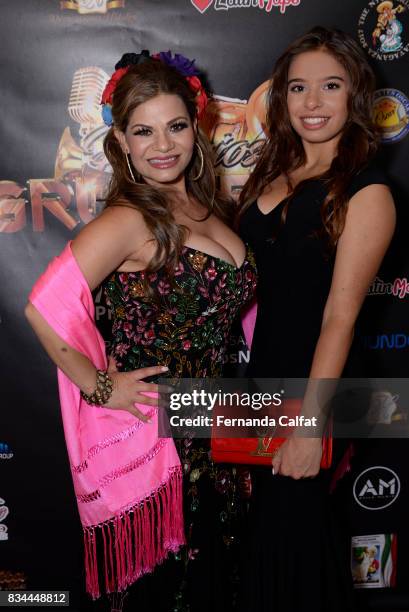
[[260, 451]]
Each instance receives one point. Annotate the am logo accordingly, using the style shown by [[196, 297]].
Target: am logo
[[376, 488]]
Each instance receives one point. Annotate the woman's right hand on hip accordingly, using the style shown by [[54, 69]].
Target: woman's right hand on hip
[[130, 388]]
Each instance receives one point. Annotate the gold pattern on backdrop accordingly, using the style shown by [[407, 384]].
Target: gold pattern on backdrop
[[236, 129], [81, 172], [85, 7]]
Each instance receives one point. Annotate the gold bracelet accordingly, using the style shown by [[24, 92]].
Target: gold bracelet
[[103, 390]]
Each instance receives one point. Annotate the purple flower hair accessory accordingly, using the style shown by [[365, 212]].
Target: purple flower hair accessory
[[181, 63]]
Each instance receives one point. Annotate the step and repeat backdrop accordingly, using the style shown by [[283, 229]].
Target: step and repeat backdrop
[[57, 57]]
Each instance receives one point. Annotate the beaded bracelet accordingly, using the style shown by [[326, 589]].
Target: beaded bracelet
[[102, 392]]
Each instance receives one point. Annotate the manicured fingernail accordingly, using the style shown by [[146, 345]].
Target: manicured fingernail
[[164, 369], [149, 422]]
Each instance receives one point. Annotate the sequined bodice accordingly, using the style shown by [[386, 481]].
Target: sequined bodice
[[186, 326]]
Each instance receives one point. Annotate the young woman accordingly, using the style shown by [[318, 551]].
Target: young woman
[[175, 276], [319, 215]]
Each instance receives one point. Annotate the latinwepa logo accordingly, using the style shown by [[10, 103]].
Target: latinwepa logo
[[398, 288], [376, 488], [225, 5]]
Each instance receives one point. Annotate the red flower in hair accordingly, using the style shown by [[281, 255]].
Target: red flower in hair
[[111, 85], [201, 97], [194, 83]]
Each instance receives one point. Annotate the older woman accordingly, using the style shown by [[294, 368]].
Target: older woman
[[175, 277]]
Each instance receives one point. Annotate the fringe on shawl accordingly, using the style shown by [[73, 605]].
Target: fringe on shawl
[[134, 542]]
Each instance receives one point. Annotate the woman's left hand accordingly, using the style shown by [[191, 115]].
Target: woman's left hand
[[298, 457]]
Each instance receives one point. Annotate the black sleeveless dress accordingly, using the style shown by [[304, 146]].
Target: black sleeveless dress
[[297, 558], [186, 326]]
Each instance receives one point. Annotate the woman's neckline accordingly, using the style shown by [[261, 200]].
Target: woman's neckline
[[193, 250], [272, 210], [281, 202]]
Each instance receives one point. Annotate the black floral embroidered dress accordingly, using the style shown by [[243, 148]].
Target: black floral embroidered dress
[[186, 326], [187, 329]]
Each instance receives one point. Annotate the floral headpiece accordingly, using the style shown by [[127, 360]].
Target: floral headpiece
[[182, 64]]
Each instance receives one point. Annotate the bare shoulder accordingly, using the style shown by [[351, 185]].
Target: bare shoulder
[[123, 216], [373, 205], [114, 222], [369, 227], [107, 241], [375, 190], [368, 231]]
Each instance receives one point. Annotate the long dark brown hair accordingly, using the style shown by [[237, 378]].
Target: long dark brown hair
[[141, 83], [283, 151]]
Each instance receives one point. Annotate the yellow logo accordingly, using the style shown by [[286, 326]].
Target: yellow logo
[[391, 114]]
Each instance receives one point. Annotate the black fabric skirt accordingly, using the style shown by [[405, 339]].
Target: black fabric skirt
[[297, 554], [209, 581]]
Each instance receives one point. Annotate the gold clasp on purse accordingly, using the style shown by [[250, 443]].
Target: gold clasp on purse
[[262, 448]]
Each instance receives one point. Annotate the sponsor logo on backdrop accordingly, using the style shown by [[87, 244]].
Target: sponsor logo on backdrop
[[76, 191], [240, 357], [5, 451], [376, 488], [81, 171], [398, 288], [391, 114], [85, 7], [4, 512], [236, 128], [225, 5], [382, 29], [373, 560], [377, 342], [384, 409], [101, 310]]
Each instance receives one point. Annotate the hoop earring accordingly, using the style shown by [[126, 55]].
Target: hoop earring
[[200, 173], [127, 156]]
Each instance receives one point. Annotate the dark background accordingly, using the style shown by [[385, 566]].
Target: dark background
[[43, 45]]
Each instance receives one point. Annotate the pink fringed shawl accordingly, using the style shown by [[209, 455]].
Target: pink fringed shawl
[[127, 481], [248, 322]]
